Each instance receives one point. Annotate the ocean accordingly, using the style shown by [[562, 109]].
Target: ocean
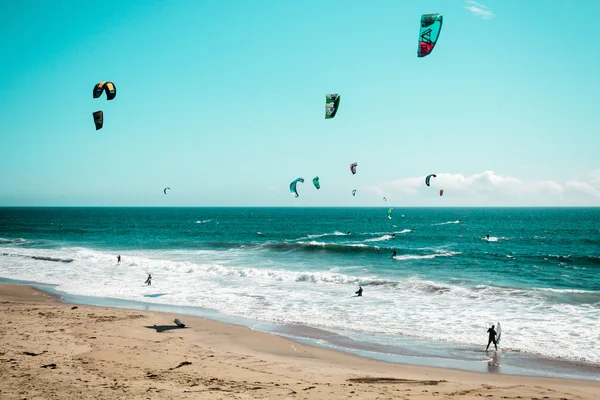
[[294, 272]]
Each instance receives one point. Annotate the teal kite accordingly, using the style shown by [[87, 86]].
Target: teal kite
[[431, 26], [293, 186], [316, 182], [428, 178]]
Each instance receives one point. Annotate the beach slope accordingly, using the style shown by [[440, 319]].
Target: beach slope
[[51, 350]]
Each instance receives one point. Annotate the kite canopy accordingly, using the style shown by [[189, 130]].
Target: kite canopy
[[108, 87], [384, 199], [390, 213], [441, 192], [431, 26], [428, 178], [353, 167], [293, 186], [98, 119], [332, 103], [354, 192], [316, 182], [167, 188]]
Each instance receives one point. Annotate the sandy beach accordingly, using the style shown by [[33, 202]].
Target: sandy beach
[[51, 350]]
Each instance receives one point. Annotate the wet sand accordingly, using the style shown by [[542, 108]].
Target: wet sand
[[52, 350]]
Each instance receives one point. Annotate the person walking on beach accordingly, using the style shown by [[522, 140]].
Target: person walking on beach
[[119, 259], [491, 338], [149, 281], [359, 292]]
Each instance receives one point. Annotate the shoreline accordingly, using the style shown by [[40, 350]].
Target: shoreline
[[52, 349], [410, 351]]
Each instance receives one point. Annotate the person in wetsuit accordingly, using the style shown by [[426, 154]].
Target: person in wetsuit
[[487, 236], [149, 280], [119, 259], [394, 255], [491, 338], [359, 292]]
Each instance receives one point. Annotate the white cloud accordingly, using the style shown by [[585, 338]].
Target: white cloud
[[584, 188], [489, 188], [479, 10]]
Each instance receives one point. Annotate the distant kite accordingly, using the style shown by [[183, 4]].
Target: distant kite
[[428, 178], [441, 192], [354, 192], [332, 103], [167, 188], [98, 119], [431, 26], [108, 87], [293, 186], [353, 167], [316, 182]]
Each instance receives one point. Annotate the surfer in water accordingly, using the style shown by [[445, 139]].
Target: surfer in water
[[359, 292], [149, 280], [393, 235], [487, 236], [394, 254], [491, 338]]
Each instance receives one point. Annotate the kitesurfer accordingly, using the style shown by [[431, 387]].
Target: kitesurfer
[[119, 259], [348, 232], [491, 338], [394, 255], [359, 292], [487, 236], [149, 280], [393, 235]]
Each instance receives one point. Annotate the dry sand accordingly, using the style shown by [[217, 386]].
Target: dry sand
[[50, 350]]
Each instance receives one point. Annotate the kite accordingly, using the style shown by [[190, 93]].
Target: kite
[[385, 199], [316, 182], [431, 26], [108, 87], [354, 192], [441, 192], [332, 103], [428, 178], [293, 186], [98, 119], [165, 191], [353, 167]]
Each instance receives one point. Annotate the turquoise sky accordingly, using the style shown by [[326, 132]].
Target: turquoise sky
[[224, 102]]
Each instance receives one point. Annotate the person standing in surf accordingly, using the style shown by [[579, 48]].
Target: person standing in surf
[[359, 292], [491, 338], [149, 281]]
